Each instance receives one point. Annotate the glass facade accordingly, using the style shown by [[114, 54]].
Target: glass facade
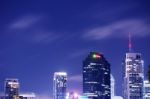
[[96, 77], [11, 89], [146, 89], [133, 76], [27, 96], [112, 85], [60, 85]]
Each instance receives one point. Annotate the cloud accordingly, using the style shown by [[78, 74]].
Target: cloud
[[79, 53], [25, 22], [44, 37], [30, 31], [138, 28], [75, 78]]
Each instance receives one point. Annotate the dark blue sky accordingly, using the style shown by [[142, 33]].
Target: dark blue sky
[[39, 37]]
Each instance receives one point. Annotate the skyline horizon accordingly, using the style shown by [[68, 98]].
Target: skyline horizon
[[145, 77], [40, 37]]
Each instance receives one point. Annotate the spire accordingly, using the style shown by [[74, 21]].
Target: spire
[[130, 42]]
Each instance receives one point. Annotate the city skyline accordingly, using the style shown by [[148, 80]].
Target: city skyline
[[38, 38]]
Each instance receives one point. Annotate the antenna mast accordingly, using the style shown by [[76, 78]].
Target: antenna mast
[[130, 42]]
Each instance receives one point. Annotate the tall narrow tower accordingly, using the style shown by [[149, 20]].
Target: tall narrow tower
[[96, 77], [130, 43], [133, 74], [60, 85]]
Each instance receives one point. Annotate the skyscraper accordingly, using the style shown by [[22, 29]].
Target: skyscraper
[[133, 75], [113, 92], [11, 89], [27, 96], [60, 85], [96, 77], [146, 89], [112, 85]]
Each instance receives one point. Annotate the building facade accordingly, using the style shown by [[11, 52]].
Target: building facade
[[59, 85], [96, 77], [27, 96], [133, 76], [11, 89], [2, 97], [146, 89], [113, 91], [112, 85]]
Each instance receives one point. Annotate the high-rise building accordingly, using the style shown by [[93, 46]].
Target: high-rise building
[[11, 89], [27, 96], [112, 85], [2, 97], [74, 95], [113, 91], [133, 74], [146, 89], [96, 77], [60, 85]]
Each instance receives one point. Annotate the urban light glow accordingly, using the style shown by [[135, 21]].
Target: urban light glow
[[75, 95], [96, 56]]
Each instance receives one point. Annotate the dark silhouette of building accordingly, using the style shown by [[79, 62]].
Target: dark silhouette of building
[[96, 77]]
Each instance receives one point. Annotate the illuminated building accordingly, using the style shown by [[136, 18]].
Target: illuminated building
[[116, 97], [11, 89], [60, 85], [112, 86], [146, 89], [96, 77], [133, 74], [113, 92], [27, 96], [83, 97], [74, 95]]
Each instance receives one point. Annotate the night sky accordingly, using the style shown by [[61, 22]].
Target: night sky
[[40, 37]]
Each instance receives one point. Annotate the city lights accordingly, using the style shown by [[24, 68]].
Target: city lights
[[96, 56], [75, 49]]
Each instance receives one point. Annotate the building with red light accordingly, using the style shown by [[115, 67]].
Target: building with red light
[[96, 77]]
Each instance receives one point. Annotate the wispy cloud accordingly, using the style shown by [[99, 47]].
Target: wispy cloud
[[30, 31], [44, 37], [138, 28], [75, 78], [78, 53], [25, 22]]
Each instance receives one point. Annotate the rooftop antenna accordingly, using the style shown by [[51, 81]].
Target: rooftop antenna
[[130, 42]]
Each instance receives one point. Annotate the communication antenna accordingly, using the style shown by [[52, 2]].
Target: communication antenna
[[130, 43]]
